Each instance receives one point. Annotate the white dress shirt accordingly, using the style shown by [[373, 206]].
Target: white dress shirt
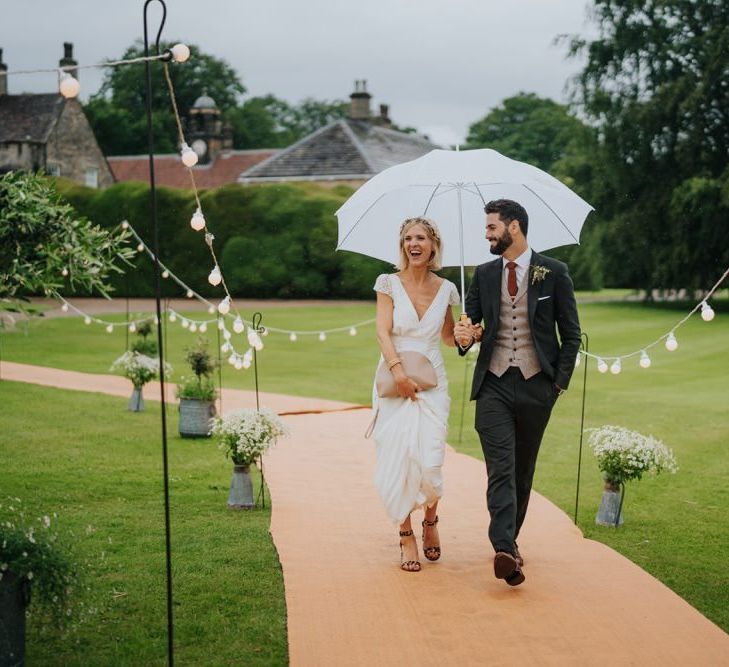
[[522, 266]]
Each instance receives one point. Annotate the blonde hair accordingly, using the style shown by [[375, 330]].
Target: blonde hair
[[431, 229]]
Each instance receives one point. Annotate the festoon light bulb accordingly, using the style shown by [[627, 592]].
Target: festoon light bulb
[[165, 274], [224, 307], [292, 337], [203, 327], [185, 323], [645, 360], [322, 336], [87, 320], [707, 312], [352, 331], [616, 367], [197, 222], [193, 327], [132, 327], [601, 365], [215, 276], [69, 86], [211, 309], [173, 316], [140, 247], [64, 307], [109, 328], [189, 156], [238, 325], [189, 294], [180, 52], [64, 272], [671, 342]]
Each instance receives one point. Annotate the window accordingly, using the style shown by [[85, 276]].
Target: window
[[92, 177], [53, 169]]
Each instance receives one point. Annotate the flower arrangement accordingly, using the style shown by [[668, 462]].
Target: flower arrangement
[[623, 455], [29, 549], [539, 273], [139, 368], [246, 434]]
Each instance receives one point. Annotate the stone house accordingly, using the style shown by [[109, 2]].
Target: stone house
[[51, 133], [350, 150]]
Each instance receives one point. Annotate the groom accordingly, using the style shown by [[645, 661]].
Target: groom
[[524, 299]]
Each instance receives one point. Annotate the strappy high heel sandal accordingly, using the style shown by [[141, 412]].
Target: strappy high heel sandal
[[408, 565], [431, 553]]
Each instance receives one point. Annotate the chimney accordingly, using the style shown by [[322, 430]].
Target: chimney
[[3, 77], [359, 108], [384, 119], [68, 61]]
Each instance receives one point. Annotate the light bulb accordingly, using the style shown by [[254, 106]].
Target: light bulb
[[180, 53], [197, 222], [602, 366], [189, 294], [615, 367], [353, 332], [156, 320], [252, 335], [645, 360], [671, 342], [248, 355], [258, 344], [64, 272], [140, 247], [87, 320], [221, 325], [125, 225], [69, 87], [215, 276], [238, 325], [109, 328], [226, 334], [211, 309], [707, 312], [185, 324], [225, 347], [238, 364], [193, 327], [264, 331], [64, 307], [173, 316], [132, 327], [189, 156], [578, 360], [246, 364], [165, 274], [322, 336], [203, 327], [232, 359], [292, 337]]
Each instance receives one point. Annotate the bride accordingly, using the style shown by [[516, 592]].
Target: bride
[[413, 313]]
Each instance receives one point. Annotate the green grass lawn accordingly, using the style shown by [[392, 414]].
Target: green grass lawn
[[677, 527], [100, 467]]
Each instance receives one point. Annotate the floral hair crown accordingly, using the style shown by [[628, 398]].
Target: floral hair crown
[[429, 225]]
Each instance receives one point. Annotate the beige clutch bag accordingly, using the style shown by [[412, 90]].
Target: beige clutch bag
[[416, 366]]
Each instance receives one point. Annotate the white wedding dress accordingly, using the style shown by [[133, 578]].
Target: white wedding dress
[[410, 435]]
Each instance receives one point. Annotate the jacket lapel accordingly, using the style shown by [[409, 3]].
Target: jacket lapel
[[533, 290], [493, 288]]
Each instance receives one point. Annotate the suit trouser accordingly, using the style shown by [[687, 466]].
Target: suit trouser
[[511, 415]]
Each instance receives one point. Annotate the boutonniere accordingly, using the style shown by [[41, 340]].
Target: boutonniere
[[539, 273]]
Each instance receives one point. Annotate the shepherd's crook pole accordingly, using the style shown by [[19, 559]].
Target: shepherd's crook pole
[[158, 299]]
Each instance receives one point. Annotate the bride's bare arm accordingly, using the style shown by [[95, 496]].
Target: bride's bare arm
[[446, 333], [405, 386]]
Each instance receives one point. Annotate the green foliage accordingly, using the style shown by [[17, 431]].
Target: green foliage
[[528, 128], [30, 549], [654, 85], [199, 386], [117, 113], [41, 238], [274, 241], [196, 388]]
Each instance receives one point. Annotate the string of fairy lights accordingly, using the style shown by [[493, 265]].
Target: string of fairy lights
[[69, 87]]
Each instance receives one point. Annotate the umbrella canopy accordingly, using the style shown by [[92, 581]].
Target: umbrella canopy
[[452, 188]]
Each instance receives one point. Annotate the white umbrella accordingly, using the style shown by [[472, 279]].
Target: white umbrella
[[451, 188]]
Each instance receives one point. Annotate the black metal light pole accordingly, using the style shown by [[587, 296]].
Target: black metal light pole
[[158, 299], [585, 346], [256, 326]]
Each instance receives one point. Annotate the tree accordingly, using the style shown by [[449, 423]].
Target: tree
[[654, 86], [528, 128], [269, 122], [44, 244], [117, 113]]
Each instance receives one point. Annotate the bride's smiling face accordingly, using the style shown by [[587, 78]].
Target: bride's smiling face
[[417, 245]]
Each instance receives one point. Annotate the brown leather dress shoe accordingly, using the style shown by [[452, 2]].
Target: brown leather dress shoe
[[507, 568], [517, 555]]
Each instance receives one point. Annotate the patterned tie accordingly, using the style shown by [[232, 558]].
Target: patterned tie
[[511, 279]]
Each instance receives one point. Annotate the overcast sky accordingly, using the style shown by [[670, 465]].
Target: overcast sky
[[439, 65]]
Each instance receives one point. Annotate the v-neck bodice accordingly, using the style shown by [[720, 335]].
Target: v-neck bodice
[[406, 324]]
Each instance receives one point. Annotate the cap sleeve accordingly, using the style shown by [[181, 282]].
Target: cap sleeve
[[382, 284], [455, 297]]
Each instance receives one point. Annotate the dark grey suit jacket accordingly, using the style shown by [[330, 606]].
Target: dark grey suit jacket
[[552, 308]]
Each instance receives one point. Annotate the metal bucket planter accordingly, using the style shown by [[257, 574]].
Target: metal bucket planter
[[14, 598], [241, 489], [136, 401], [610, 512], [195, 416]]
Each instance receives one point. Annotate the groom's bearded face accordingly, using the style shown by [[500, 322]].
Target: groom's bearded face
[[497, 234]]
